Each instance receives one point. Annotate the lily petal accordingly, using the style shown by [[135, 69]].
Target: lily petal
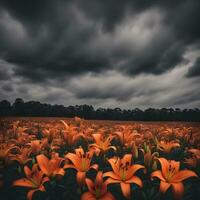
[[158, 174], [113, 164], [135, 180], [107, 196], [182, 175], [126, 189], [164, 165], [178, 190], [88, 196], [90, 185], [110, 181], [74, 159], [80, 177], [23, 182], [43, 163], [112, 175], [164, 186], [30, 194]]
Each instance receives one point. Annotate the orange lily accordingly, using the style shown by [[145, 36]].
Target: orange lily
[[126, 137], [135, 150], [51, 167], [170, 175], [81, 161], [36, 146], [194, 160], [5, 153], [195, 152], [70, 134], [97, 189], [101, 144], [167, 146], [34, 180], [124, 173], [49, 134], [23, 157]]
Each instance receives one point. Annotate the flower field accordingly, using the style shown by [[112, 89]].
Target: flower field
[[54, 158]]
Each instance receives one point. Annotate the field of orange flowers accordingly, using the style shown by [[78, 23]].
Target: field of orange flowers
[[54, 158]]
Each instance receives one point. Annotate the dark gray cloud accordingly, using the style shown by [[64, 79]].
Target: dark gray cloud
[[50, 45], [195, 69], [69, 37]]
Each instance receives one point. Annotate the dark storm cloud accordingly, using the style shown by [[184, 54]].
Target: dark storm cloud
[[195, 69], [7, 88], [46, 39], [105, 53]]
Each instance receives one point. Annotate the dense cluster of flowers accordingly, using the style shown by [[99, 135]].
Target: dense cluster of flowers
[[88, 160]]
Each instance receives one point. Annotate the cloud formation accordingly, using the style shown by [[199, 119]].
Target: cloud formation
[[130, 53]]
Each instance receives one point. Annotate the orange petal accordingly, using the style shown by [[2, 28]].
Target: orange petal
[[80, 177], [97, 137], [66, 166], [133, 169], [107, 196], [158, 174], [27, 171], [90, 185], [110, 181], [42, 188], [59, 171], [178, 190], [127, 158], [164, 186], [45, 179], [126, 189], [30, 194], [113, 163], [175, 165], [135, 180], [99, 178], [164, 165], [74, 159], [88, 196], [43, 163], [112, 175], [23, 182], [182, 175], [95, 167], [103, 189]]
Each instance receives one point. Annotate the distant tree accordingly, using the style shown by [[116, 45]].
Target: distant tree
[[18, 107], [5, 108], [35, 108]]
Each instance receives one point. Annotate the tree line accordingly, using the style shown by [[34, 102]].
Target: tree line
[[37, 109]]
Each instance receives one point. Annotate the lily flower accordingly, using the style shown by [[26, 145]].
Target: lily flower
[[81, 161], [194, 160], [70, 134], [23, 157], [195, 152], [167, 146], [5, 153], [124, 173], [101, 144], [51, 167], [34, 180], [97, 189], [126, 136], [36, 146], [170, 175]]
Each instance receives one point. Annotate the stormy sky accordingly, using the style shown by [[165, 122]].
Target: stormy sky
[[106, 53]]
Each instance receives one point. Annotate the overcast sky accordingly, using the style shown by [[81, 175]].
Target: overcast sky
[[106, 53]]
